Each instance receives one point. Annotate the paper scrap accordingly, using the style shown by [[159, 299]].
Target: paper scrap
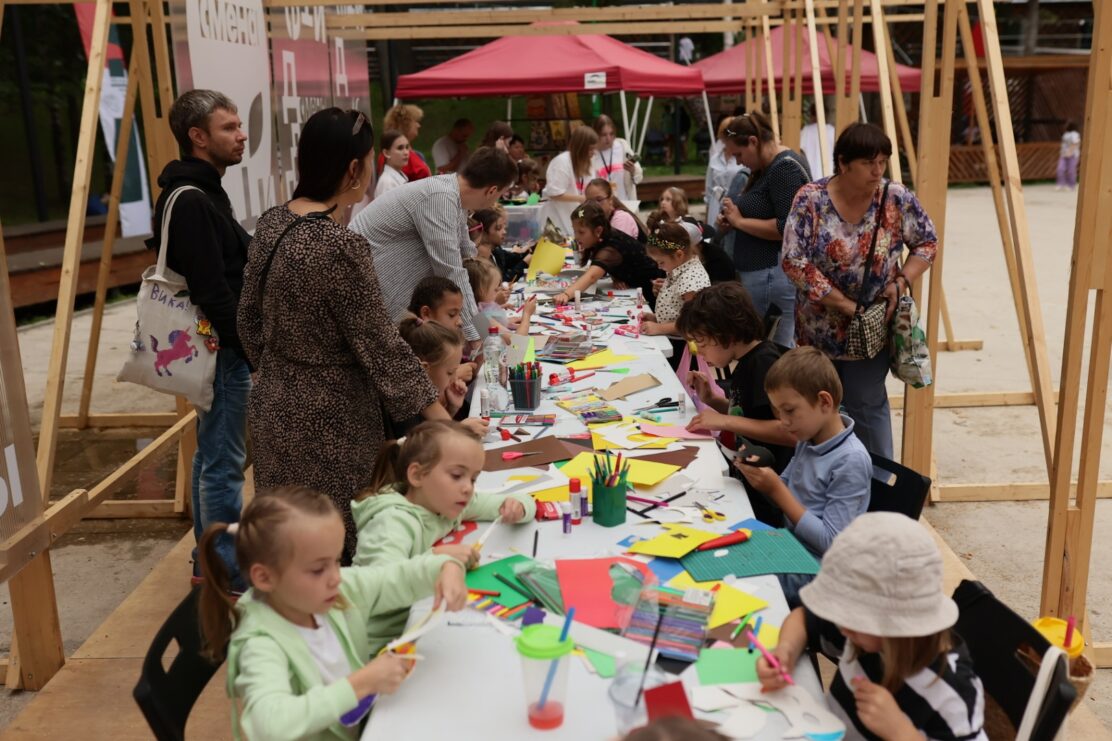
[[675, 431], [484, 577], [548, 257], [726, 666], [605, 666], [675, 542], [629, 385], [641, 472], [600, 359], [587, 584]]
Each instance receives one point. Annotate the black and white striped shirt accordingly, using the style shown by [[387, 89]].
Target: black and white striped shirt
[[946, 705], [417, 230]]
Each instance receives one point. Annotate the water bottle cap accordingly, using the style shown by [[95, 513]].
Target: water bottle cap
[[573, 486], [492, 330]]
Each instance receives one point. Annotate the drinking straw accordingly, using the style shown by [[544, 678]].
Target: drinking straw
[[1071, 623], [648, 659], [555, 662]]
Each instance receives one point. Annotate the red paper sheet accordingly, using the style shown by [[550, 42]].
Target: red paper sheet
[[667, 700], [585, 584]]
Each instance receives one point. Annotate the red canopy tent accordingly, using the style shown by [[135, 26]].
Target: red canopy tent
[[529, 65], [725, 72]]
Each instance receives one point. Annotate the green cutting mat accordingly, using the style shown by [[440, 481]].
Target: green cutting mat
[[766, 552], [484, 578]]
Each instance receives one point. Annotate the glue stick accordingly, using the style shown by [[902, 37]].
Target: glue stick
[[484, 403], [575, 498], [565, 515], [574, 485]]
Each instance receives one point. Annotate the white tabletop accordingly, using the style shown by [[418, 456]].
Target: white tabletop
[[469, 685]]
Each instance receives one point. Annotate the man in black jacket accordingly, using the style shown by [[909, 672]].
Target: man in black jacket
[[208, 247]]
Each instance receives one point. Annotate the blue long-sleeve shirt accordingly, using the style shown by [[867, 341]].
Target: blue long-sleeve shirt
[[832, 481]]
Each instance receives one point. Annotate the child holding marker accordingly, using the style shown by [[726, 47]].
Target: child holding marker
[[423, 489], [485, 281], [296, 641], [440, 350], [878, 603], [510, 262], [826, 485], [670, 248], [724, 325]]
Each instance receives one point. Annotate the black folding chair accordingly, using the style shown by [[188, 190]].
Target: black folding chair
[[1001, 645], [167, 696], [902, 490]]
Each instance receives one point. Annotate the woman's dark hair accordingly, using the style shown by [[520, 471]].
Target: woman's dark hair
[[604, 185], [723, 313], [430, 292], [753, 123], [860, 141], [591, 215], [330, 140], [388, 138], [496, 131], [489, 166]]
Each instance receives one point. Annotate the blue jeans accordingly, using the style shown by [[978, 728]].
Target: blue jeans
[[770, 286], [865, 400], [221, 455]]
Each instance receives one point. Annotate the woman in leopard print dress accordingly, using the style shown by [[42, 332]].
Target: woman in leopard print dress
[[330, 361]]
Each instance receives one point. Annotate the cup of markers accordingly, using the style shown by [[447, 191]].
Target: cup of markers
[[609, 484], [525, 385]]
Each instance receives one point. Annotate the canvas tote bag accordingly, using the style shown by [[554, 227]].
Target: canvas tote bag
[[174, 349]]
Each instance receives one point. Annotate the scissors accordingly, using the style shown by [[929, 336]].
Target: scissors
[[666, 403], [513, 455], [709, 515]]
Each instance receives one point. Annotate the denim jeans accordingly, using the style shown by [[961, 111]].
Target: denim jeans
[[865, 400], [770, 286], [221, 455]]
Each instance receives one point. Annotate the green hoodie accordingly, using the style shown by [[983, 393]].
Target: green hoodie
[[271, 670], [392, 528]]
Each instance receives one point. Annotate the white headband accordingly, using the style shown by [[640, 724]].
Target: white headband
[[233, 528]]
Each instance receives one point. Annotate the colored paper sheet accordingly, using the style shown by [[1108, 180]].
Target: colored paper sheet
[[752, 525], [726, 666], [675, 542], [642, 472], [555, 494], [600, 359], [629, 385], [769, 635], [665, 568], [667, 700], [548, 257], [766, 552], [682, 457], [674, 431], [587, 585], [730, 603], [523, 349], [545, 450], [605, 666], [484, 578]]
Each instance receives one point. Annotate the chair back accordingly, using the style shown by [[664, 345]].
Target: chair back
[[1005, 648], [902, 490], [166, 696]]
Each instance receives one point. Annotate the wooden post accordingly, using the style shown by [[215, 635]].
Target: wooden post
[[888, 116], [751, 78], [123, 141], [1070, 527], [816, 81], [791, 82], [770, 69], [901, 109], [935, 112]]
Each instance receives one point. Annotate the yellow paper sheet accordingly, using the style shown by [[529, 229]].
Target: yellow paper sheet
[[730, 603], [548, 257], [555, 494], [675, 542], [644, 442], [641, 473], [601, 359]]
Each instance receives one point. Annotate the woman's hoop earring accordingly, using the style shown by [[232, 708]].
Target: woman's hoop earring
[[356, 185]]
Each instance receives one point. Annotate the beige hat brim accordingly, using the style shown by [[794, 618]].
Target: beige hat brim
[[863, 612]]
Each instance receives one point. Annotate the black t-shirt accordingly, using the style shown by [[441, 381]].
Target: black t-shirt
[[769, 195], [747, 394], [624, 259]]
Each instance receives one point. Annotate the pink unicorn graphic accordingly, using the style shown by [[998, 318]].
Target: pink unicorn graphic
[[181, 346]]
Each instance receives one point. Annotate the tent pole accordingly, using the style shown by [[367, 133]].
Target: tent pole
[[861, 105], [645, 128], [625, 113], [710, 123], [633, 133], [509, 109]]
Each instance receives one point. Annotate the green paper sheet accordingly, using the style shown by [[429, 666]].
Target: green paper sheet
[[766, 552], [483, 578], [605, 665], [531, 351], [726, 666]]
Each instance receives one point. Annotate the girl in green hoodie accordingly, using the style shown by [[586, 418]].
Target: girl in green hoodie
[[423, 489], [296, 641]]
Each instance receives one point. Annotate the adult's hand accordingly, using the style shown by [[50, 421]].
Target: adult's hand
[[892, 297], [731, 213]]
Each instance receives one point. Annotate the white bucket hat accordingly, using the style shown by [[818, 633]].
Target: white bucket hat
[[883, 576], [694, 233]]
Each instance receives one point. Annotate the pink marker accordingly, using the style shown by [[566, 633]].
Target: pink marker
[[772, 661]]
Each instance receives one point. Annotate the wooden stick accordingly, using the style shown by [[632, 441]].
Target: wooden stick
[[816, 83], [770, 74]]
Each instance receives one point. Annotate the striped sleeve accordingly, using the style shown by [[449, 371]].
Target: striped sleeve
[[439, 228]]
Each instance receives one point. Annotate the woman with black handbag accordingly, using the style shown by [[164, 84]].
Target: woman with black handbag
[[843, 244]]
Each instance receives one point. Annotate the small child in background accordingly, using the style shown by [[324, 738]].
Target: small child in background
[[491, 246], [528, 177], [440, 350], [670, 248], [826, 485], [878, 603], [485, 282], [721, 320], [1069, 154], [296, 641], [438, 299], [422, 489], [671, 207]]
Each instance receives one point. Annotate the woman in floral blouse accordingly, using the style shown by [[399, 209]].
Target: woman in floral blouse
[[827, 240]]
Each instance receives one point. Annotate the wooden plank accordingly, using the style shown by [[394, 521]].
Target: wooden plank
[[816, 81], [30, 287], [187, 447], [37, 653], [969, 400], [766, 42], [492, 31], [887, 112], [1009, 492], [1102, 655], [66, 512], [583, 15], [114, 509], [791, 84], [960, 345], [902, 122], [159, 445], [123, 141], [124, 419]]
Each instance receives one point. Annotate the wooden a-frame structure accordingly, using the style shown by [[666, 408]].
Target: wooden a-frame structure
[[37, 653]]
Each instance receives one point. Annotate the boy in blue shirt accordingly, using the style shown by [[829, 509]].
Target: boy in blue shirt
[[826, 484]]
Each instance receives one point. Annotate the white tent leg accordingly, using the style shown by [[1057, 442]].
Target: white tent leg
[[861, 105], [625, 114], [633, 132], [710, 121], [509, 109], [645, 128]]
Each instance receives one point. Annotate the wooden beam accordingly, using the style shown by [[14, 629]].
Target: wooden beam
[[1009, 492], [816, 81], [126, 419], [791, 83], [978, 399], [66, 512], [492, 31], [902, 122], [1102, 655], [960, 345], [187, 447], [111, 483], [769, 74], [133, 508], [887, 112]]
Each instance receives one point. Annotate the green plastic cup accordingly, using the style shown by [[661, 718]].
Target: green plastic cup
[[544, 663]]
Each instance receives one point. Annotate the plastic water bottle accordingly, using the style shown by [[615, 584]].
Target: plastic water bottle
[[494, 368]]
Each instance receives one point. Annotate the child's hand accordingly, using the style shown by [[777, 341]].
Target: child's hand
[[478, 425], [466, 554], [511, 510], [561, 298], [652, 328], [761, 479], [466, 372], [528, 307], [455, 395], [708, 419], [451, 589], [771, 679], [878, 710], [502, 295], [382, 676], [658, 283], [700, 384]]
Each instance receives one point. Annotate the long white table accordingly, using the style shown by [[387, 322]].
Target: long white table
[[469, 684]]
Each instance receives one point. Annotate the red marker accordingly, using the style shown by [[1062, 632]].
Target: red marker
[[736, 537], [485, 592]]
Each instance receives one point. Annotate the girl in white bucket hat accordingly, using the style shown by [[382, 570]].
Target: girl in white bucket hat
[[878, 603]]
